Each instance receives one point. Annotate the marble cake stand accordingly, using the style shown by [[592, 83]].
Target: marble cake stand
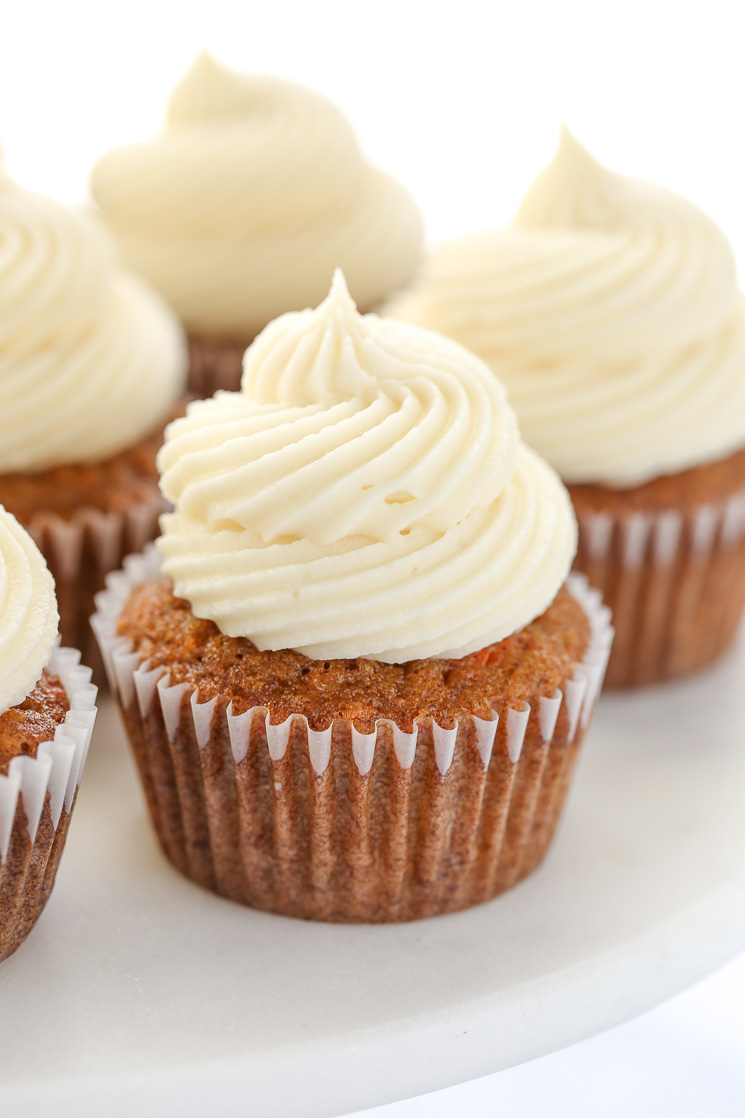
[[139, 993]]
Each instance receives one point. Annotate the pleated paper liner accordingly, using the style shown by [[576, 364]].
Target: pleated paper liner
[[81, 552], [675, 582], [36, 800], [339, 825], [214, 364]]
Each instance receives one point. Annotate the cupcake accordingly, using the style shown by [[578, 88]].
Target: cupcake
[[353, 677], [610, 310], [255, 191], [47, 710], [92, 364]]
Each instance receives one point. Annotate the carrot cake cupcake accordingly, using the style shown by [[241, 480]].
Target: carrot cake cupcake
[[610, 310], [47, 709], [356, 687], [92, 364], [241, 209]]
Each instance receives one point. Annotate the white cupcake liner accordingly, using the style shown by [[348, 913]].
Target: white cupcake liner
[[128, 675], [675, 581], [58, 764], [36, 797], [199, 764], [81, 551]]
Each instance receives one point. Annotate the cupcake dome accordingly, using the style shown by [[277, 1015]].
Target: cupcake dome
[[251, 196]]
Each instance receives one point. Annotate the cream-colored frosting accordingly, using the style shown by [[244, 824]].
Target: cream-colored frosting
[[28, 612], [90, 359], [366, 493], [610, 310], [250, 198]]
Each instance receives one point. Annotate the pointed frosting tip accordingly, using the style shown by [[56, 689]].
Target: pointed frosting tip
[[570, 149], [339, 287], [572, 190], [207, 89], [205, 67], [339, 297], [206, 62], [567, 140]]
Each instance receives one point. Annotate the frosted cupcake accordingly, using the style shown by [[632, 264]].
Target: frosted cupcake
[[92, 364], [255, 191], [47, 710], [610, 310], [358, 692]]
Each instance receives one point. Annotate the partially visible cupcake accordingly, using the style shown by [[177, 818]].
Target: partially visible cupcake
[[610, 310], [92, 365], [357, 687], [255, 191], [47, 710]]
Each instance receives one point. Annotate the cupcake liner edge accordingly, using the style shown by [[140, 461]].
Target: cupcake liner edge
[[58, 765], [130, 675]]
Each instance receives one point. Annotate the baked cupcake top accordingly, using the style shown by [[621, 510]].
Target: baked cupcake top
[[90, 359], [366, 493], [610, 309], [253, 193], [28, 612]]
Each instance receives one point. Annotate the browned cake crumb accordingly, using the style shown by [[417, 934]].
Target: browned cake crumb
[[215, 363], [687, 489], [533, 661], [113, 485], [24, 727]]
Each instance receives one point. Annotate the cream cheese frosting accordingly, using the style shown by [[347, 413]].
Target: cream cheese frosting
[[28, 612], [610, 309], [90, 359], [366, 493], [253, 194]]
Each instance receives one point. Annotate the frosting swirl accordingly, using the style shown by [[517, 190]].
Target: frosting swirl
[[251, 197], [90, 360], [366, 493], [610, 310], [28, 612]]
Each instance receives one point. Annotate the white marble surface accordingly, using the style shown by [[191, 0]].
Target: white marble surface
[[144, 992], [684, 1058]]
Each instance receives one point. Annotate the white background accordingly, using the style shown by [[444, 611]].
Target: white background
[[462, 101]]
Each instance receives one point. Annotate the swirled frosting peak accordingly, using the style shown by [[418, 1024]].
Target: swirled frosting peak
[[253, 194], [90, 359], [575, 191], [366, 493], [610, 309], [28, 612]]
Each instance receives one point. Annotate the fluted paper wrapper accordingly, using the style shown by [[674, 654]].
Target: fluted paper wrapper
[[36, 800], [339, 825], [675, 582], [215, 364], [81, 552]]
